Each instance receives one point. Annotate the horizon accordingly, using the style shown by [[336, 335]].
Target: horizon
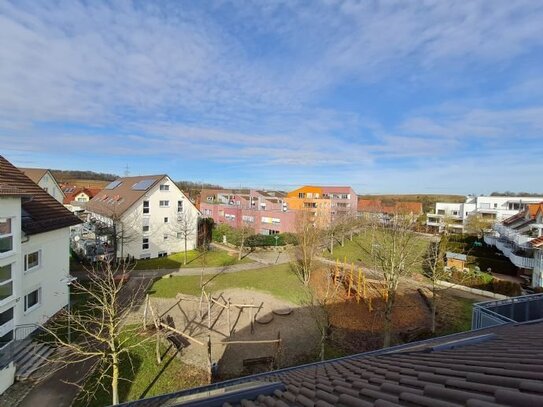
[[389, 98]]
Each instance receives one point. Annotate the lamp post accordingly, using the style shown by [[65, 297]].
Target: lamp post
[[276, 239], [68, 280]]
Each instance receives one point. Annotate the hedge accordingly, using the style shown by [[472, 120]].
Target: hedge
[[233, 237]]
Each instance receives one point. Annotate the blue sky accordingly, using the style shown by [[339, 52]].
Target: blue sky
[[387, 96]]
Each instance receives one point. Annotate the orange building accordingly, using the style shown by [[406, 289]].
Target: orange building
[[325, 203]]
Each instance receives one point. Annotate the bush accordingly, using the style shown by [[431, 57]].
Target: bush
[[270, 240], [506, 287], [232, 235]]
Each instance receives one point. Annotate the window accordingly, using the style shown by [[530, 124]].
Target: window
[[7, 338], [165, 237], [145, 256], [162, 254], [145, 228], [179, 235], [6, 316], [249, 219], [145, 207], [45, 189], [33, 300], [207, 212], [81, 199], [164, 204], [164, 187], [6, 283], [301, 195], [230, 216], [145, 243], [166, 220], [32, 260], [179, 206], [6, 235], [495, 205]]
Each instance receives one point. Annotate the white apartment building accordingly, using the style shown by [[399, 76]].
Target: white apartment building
[[34, 260], [152, 214], [520, 239], [46, 181], [496, 208]]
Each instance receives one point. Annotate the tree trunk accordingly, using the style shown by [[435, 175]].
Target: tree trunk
[[323, 341], [387, 326], [115, 380], [342, 240], [240, 255], [332, 244], [185, 258], [434, 312]]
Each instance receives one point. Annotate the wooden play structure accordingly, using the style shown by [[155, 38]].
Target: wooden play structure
[[206, 303], [357, 285]]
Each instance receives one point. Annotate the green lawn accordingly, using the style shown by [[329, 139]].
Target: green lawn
[[195, 258], [146, 378], [278, 280], [359, 249], [455, 316]]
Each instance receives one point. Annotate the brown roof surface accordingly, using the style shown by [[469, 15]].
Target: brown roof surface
[[116, 201], [9, 190], [42, 212], [537, 242], [75, 190], [498, 366], [35, 174]]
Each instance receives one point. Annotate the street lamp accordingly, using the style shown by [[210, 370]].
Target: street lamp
[[68, 280], [276, 239]]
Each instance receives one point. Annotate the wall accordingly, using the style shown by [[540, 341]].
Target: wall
[[134, 220], [47, 181]]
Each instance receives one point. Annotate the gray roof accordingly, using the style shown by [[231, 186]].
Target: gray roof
[[498, 366], [457, 256]]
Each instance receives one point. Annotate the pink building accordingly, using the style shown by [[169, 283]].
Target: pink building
[[265, 211]]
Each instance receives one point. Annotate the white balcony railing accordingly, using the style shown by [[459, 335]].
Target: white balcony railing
[[521, 261], [490, 240]]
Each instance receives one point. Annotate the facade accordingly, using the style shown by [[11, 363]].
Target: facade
[[453, 216], [34, 258], [326, 204], [75, 198], [46, 180], [520, 238], [148, 213], [264, 211]]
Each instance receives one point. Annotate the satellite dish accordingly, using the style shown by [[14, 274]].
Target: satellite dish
[[77, 238]]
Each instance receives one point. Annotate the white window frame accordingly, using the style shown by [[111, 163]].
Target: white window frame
[[166, 219], [144, 242], [164, 187], [180, 206], [27, 309], [8, 235], [164, 203], [144, 208], [165, 237], [6, 282], [33, 268]]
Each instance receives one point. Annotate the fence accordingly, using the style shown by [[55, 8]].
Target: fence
[[516, 309]]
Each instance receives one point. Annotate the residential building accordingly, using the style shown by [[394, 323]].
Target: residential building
[[45, 179], [375, 208], [520, 239], [146, 214], [264, 211], [34, 259], [325, 203], [453, 216], [497, 365], [75, 198]]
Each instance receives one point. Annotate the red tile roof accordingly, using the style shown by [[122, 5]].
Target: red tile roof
[[74, 191], [537, 242], [42, 212]]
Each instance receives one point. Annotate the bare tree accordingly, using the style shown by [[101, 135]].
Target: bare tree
[[394, 253], [97, 327], [244, 232], [435, 270], [319, 300], [186, 228], [309, 243], [478, 225]]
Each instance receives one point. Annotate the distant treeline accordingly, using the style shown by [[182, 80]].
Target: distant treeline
[[64, 175], [509, 193], [193, 188]]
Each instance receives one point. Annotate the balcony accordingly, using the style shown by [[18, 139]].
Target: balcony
[[521, 261], [516, 309], [490, 240]]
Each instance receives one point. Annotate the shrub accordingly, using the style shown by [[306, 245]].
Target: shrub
[[506, 287]]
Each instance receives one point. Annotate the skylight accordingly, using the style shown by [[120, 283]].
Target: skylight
[[143, 185], [113, 184]]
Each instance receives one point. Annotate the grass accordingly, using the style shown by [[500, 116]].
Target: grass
[[454, 315], [278, 280], [359, 250], [213, 258], [146, 378]]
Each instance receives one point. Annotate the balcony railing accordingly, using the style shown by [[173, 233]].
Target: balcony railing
[[521, 261], [516, 309]]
